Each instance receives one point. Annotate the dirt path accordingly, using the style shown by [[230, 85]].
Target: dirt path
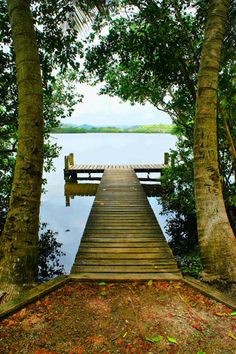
[[154, 317]]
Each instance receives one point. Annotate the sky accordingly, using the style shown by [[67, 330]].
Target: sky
[[110, 111]]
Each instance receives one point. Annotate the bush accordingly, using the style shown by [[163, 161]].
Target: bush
[[190, 265]]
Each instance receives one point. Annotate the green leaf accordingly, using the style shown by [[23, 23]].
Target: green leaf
[[157, 339], [149, 283], [154, 339], [233, 313], [102, 283], [103, 293], [201, 352], [171, 340]]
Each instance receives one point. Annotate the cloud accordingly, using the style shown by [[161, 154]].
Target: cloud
[[105, 110]]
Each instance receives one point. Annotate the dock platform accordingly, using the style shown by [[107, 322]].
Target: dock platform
[[74, 172], [122, 239]]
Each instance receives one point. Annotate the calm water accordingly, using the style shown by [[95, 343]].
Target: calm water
[[69, 222]]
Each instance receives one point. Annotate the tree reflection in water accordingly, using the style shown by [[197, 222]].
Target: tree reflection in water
[[49, 254]]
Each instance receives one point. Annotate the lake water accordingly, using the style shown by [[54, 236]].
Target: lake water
[[69, 222]]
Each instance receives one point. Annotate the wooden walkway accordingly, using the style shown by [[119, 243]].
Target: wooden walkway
[[72, 170], [122, 239]]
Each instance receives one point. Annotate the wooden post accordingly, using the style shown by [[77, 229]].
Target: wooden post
[[67, 200], [166, 158], [66, 163], [66, 168], [71, 159]]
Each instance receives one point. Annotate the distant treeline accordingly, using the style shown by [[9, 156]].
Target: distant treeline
[[157, 128]]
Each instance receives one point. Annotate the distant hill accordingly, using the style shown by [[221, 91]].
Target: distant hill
[[85, 128]]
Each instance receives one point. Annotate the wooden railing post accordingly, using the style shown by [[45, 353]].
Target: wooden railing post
[[66, 168], [71, 159], [66, 163]]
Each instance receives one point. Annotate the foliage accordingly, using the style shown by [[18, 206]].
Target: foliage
[[190, 265], [49, 254], [157, 128], [149, 53], [178, 200]]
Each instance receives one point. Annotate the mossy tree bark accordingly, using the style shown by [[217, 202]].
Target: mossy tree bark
[[19, 241], [216, 238]]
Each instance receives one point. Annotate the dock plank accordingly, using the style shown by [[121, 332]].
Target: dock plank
[[93, 168], [122, 239]]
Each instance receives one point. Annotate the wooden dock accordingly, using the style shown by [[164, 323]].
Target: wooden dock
[[122, 239], [73, 172]]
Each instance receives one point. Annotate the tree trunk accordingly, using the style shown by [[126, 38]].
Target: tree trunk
[[216, 238], [19, 241]]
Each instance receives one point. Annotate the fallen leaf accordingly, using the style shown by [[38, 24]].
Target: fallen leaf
[[97, 340], [119, 341], [231, 335], [78, 350], [9, 323], [198, 327], [46, 303], [21, 314], [149, 283], [177, 286], [221, 314], [154, 339], [172, 340], [163, 284], [30, 322], [44, 351]]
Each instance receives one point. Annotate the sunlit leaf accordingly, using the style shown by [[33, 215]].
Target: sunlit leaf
[[172, 340], [233, 313], [201, 352], [221, 314], [231, 335], [149, 283], [102, 283], [157, 339], [177, 286], [154, 339]]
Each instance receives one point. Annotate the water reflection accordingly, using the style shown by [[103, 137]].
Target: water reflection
[[50, 254], [85, 189], [73, 189]]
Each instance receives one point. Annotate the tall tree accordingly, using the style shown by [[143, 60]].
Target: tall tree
[[19, 238], [216, 238], [19, 241]]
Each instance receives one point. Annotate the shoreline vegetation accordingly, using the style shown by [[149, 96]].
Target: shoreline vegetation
[[145, 129]]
